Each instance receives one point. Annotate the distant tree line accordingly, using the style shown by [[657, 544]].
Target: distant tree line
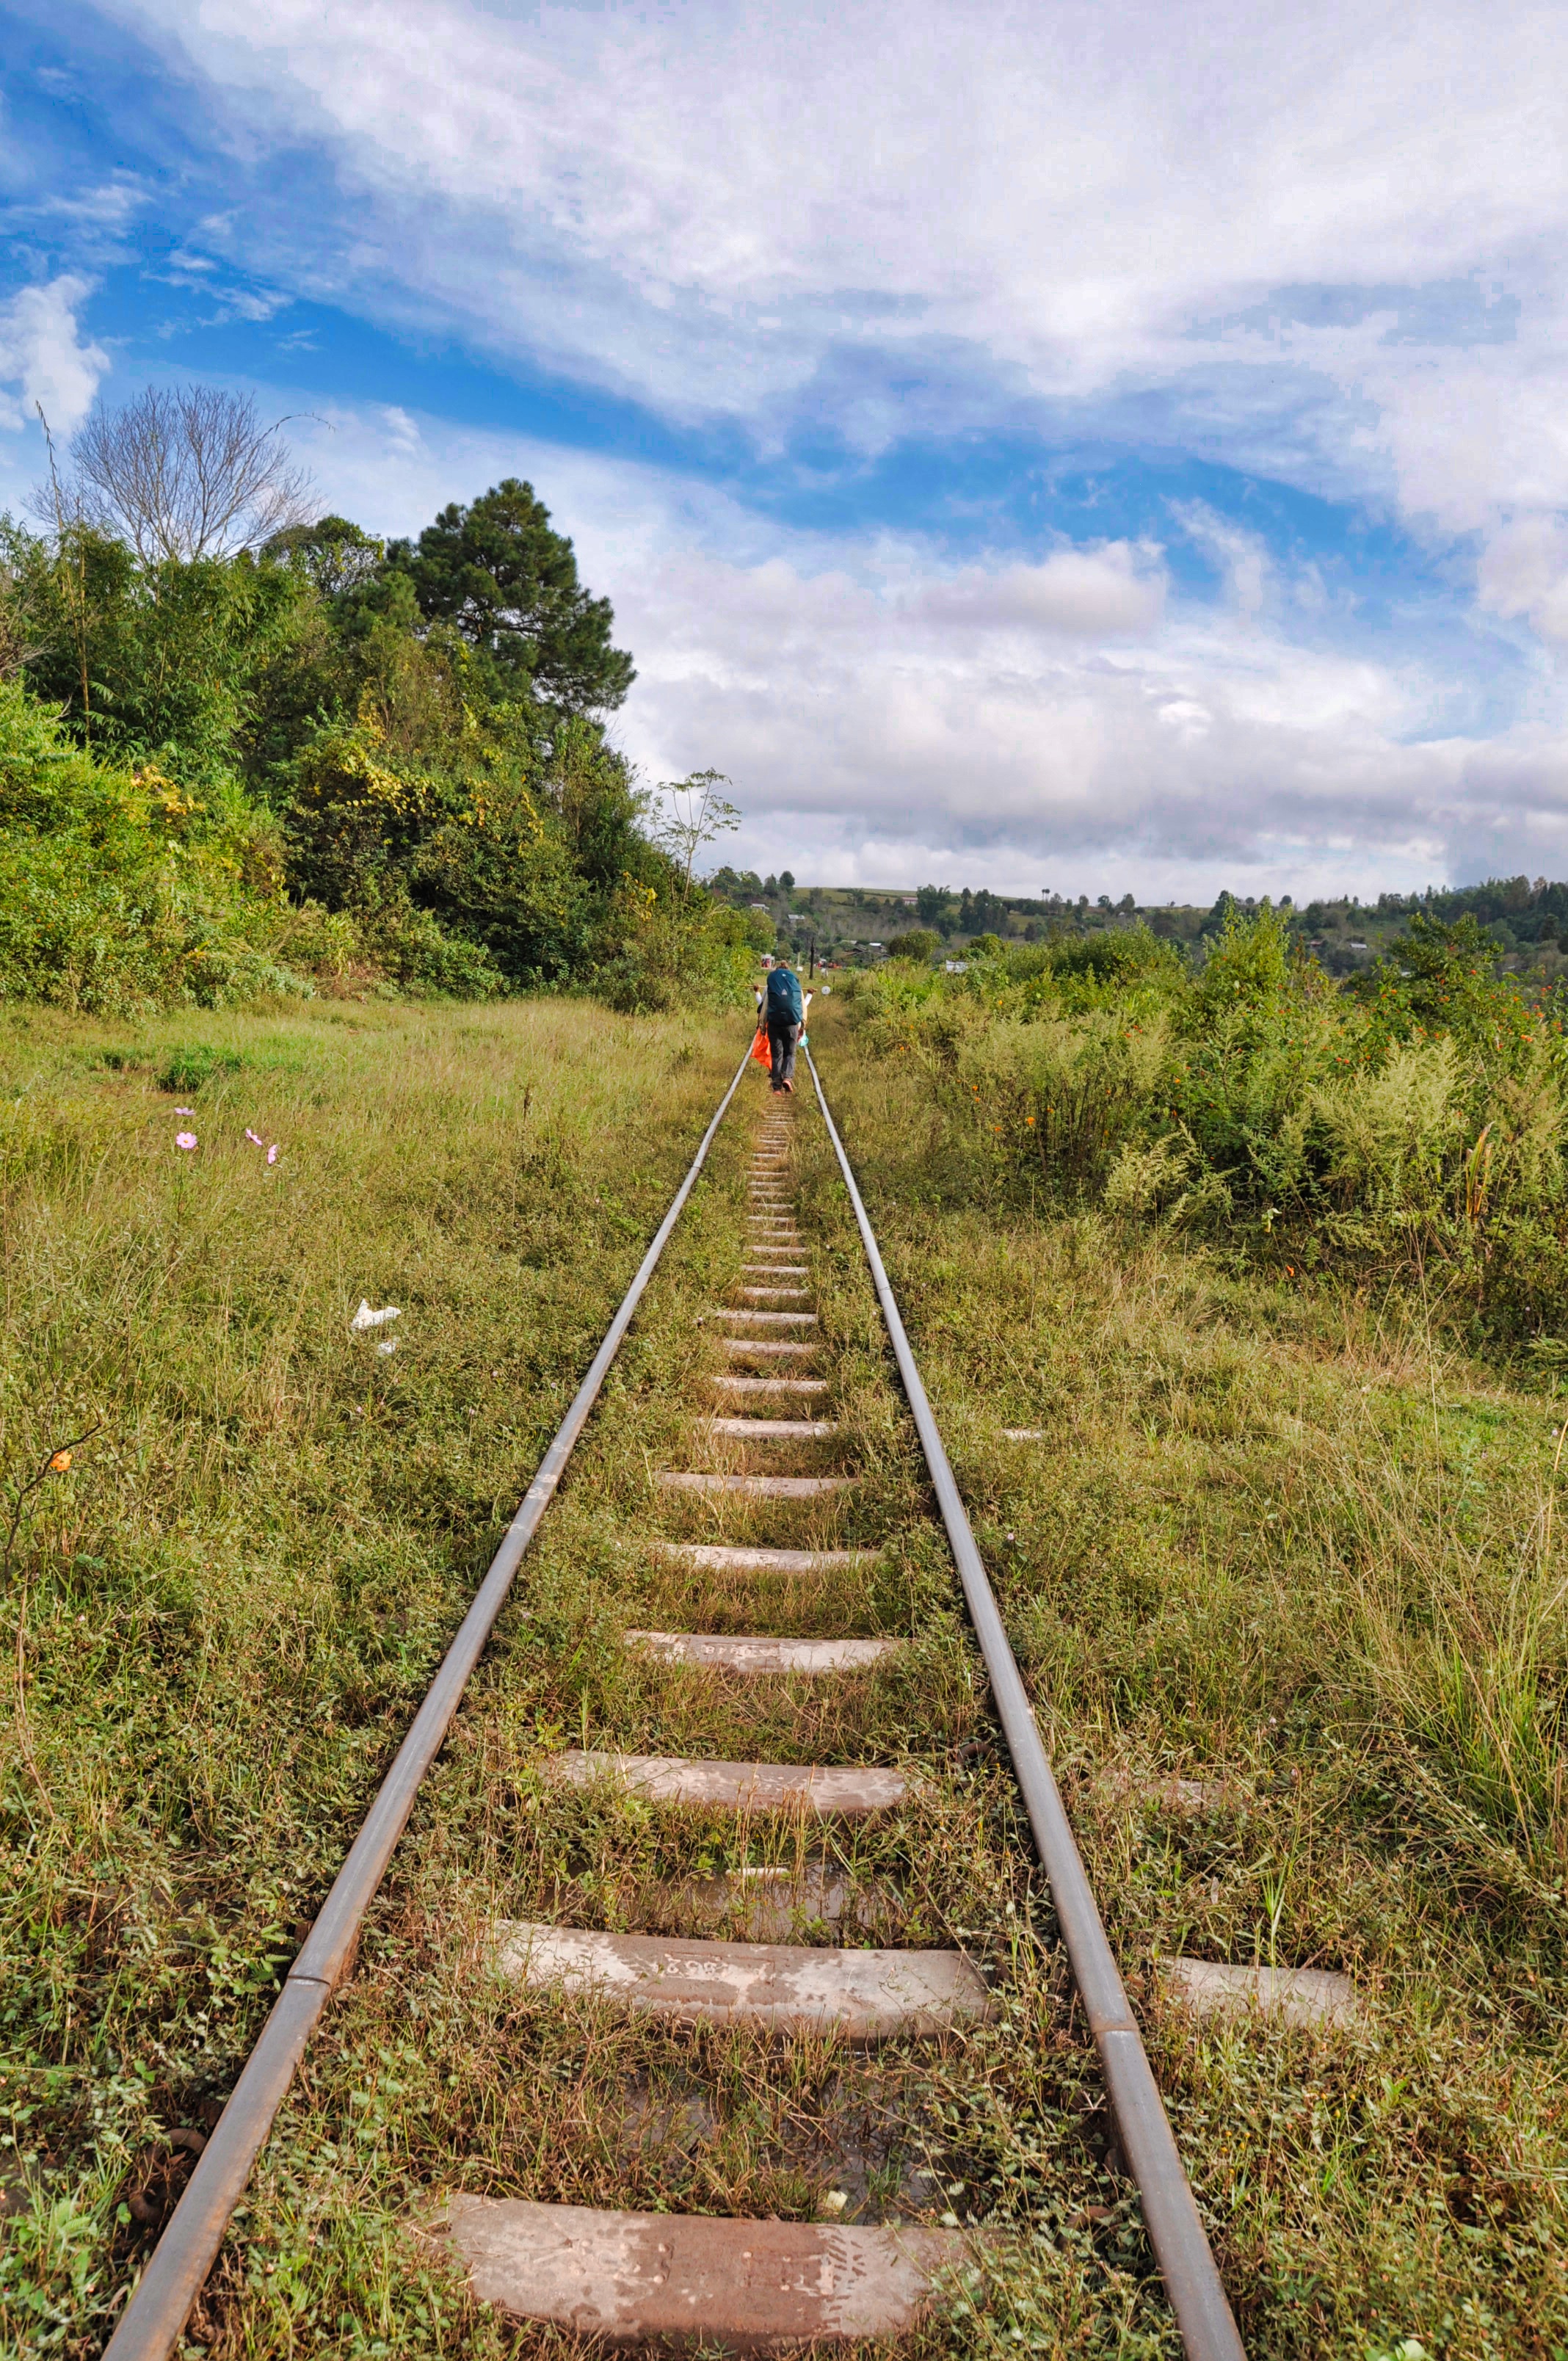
[[1518, 915]]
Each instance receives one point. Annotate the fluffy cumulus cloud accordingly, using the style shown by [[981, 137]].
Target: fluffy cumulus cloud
[[1317, 246], [1524, 571], [891, 720], [44, 361], [884, 715]]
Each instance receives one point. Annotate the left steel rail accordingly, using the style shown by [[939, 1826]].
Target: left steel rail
[[152, 2322]]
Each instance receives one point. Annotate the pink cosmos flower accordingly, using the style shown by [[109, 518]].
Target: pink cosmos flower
[[255, 1138], [184, 1110], [184, 1139], [272, 1153]]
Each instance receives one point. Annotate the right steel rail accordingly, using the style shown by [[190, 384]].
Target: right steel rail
[[1176, 2231]]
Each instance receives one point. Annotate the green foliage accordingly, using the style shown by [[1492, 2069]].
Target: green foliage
[[117, 893], [333, 765], [498, 573], [666, 955], [149, 662], [1416, 1120], [919, 945]]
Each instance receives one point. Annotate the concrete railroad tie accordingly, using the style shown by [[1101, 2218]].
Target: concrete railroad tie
[[826, 1792], [687, 2278], [863, 1995], [765, 1430], [763, 1655], [722, 1558], [774, 1318], [760, 1344], [758, 1487], [1296, 1995]]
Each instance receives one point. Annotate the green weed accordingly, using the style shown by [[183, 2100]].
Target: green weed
[[1283, 1575]]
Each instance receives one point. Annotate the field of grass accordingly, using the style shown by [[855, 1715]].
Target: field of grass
[[223, 1613], [1280, 1543], [1287, 1545]]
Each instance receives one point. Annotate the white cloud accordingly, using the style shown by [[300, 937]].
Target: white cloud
[[885, 717], [706, 207], [43, 360], [1524, 571], [1097, 591], [1241, 556]]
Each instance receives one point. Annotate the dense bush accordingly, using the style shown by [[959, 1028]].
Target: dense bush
[[1417, 1116], [919, 944], [118, 891], [328, 764]]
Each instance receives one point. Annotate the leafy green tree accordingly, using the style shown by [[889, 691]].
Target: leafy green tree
[[1439, 978], [381, 761], [497, 571], [156, 662], [335, 555]]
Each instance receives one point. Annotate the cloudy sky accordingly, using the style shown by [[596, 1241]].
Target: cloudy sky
[[1090, 445]]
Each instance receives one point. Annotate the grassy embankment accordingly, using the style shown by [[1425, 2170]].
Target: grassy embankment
[[1288, 1543], [231, 1601], [1283, 1543]]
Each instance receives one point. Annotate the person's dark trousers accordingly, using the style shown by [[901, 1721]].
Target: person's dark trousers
[[782, 1038]]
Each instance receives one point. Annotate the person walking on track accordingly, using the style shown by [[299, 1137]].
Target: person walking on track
[[783, 1010]]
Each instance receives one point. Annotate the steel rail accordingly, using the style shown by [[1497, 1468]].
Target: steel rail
[[152, 2321], [1175, 2228]]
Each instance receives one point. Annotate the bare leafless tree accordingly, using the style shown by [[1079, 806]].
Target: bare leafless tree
[[186, 472]]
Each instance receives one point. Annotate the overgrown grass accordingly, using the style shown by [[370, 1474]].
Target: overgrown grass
[[1277, 1539], [1287, 1542], [225, 1610], [1413, 1121]]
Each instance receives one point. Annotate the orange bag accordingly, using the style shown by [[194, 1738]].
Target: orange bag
[[760, 1049]]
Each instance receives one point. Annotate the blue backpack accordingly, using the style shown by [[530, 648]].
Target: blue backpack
[[784, 1005]]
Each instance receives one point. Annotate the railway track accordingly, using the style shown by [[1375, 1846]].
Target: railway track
[[807, 1939]]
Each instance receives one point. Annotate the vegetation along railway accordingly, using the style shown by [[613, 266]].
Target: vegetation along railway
[[813, 1941]]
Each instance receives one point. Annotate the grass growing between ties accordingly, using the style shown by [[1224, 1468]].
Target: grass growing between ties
[[436, 2073], [1282, 1567]]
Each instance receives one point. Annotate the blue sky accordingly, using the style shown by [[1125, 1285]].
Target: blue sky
[[1099, 445]]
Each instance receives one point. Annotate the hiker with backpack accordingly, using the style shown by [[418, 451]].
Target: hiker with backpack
[[781, 1011]]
